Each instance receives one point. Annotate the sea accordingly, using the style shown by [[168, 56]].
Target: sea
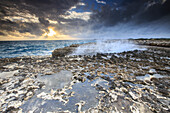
[[10, 49]]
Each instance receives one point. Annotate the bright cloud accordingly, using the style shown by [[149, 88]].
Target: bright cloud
[[77, 15], [78, 4], [18, 36], [21, 17], [52, 21], [100, 2], [81, 4]]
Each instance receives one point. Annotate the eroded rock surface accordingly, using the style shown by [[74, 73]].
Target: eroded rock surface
[[130, 82]]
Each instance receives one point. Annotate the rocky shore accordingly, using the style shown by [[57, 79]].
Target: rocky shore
[[153, 42], [130, 82]]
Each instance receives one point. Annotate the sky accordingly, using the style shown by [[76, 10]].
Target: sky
[[84, 19]]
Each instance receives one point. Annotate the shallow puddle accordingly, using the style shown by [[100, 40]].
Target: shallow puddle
[[148, 77], [81, 92]]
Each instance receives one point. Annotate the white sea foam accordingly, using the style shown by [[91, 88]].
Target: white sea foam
[[115, 46]]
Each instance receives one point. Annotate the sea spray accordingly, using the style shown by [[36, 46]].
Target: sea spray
[[106, 46]]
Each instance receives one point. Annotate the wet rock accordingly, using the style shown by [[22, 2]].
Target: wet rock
[[92, 77], [164, 92], [112, 85], [80, 104], [152, 71], [79, 78], [100, 88]]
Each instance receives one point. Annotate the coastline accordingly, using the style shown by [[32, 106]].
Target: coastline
[[129, 81]]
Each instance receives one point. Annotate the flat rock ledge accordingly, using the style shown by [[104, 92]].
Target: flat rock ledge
[[61, 52], [154, 42]]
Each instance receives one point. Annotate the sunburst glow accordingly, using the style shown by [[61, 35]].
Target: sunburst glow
[[51, 32]]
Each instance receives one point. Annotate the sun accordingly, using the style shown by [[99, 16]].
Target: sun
[[51, 32]]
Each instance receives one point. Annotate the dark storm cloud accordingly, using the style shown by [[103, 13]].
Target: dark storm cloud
[[7, 25], [2, 33], [35, 16], [44, 21], [130, 19], [139, 11], [33, 28], [31, 14], [156, 11], [45, 8]]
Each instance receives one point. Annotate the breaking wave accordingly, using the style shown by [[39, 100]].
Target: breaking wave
[[114, 46]]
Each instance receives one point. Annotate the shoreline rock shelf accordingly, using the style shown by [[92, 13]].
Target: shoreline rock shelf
[[153, 42], [132, 81], [61, 52]]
